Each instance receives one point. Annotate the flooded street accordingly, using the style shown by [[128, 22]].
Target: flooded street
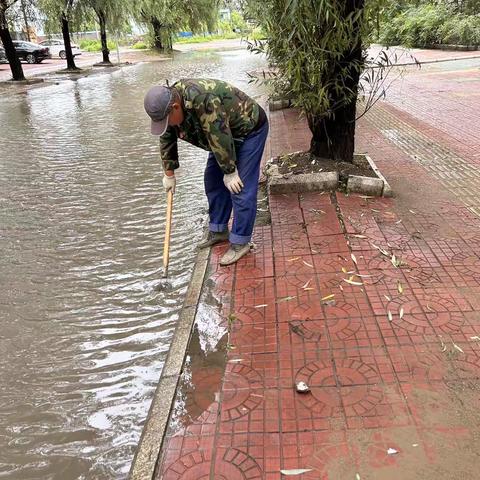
[[86, 319]]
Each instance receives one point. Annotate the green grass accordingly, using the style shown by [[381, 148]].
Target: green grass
[[208, 38], [140, 46], [95, 45]]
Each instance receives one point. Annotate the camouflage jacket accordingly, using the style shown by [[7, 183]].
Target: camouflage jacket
[[218, 116]]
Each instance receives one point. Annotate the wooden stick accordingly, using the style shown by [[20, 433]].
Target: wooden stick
[[168, 228]]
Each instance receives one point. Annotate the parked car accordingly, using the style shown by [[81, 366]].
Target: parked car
[[57, 48], [31, 52], [3, 57]]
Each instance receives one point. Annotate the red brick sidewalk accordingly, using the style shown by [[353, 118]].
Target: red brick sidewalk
[[392, 358]]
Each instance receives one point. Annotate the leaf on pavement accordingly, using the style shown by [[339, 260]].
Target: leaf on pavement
[[296, 471]]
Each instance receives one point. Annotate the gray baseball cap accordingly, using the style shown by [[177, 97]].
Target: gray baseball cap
[[157, 104]]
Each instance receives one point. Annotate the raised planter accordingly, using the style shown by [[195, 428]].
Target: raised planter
[[376, 186]]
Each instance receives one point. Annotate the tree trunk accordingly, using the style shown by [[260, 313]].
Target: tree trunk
[[10, 52], [334, 134], [25, 20], [103, 36], [157, 33], [66, 40]]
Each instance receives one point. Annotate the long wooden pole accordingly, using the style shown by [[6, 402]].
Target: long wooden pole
[[168, 228]]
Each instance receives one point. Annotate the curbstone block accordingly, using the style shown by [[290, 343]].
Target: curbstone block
[[366, 185], [305, 182]]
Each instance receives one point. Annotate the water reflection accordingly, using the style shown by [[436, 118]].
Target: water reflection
[[85, 323]]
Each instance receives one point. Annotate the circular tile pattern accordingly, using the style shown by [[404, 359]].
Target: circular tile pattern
[[233, 463], [414, 318], [316, 374], [240, 391], [344, 328], [299, 280], [307, 310], [395, 233], [200, 403], [351, 371], [245, 316], [416, 267], [361, 400], [466, 263], [222, 284], [311, 330], [340, 310]]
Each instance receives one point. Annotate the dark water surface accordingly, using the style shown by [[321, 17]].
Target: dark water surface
[[85, 327]]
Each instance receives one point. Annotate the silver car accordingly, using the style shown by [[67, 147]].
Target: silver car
[[57, 48]]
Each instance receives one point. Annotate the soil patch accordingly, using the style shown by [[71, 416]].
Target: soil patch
[[305, 162]]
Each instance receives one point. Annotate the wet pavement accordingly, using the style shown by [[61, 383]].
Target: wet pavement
[[372, 302], [86, 316]]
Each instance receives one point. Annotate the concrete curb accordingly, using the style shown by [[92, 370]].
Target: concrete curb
[[378, 187], [304, 182], [149, 447], [328, 181]]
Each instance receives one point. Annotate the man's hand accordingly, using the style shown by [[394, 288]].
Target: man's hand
[[233, 182], [169, 181]]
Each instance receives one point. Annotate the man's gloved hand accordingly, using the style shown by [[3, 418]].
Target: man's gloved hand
[[169, 182], [233, 182]]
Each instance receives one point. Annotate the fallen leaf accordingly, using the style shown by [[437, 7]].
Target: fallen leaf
[[296, 471], [328, 296], [262, 305], [307, 264], [394, 261], [400, 288], [357, 476], [390, 316], [457, 347], [354, 258], [388, 298], [358, 236], [381, 250], [285, 299], [340, 287], [392, 451], [414, 444], [475, 338], [411, 211], [400, 314], [236, 360], [344, 270], [307, 284], [400, 221], [351, 282], [293, 259]]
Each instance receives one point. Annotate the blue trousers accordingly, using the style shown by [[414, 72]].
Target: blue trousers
[[244, 204]]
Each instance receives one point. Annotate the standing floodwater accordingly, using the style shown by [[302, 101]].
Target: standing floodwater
[[85, 320]]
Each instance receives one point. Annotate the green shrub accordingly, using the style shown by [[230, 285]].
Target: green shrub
[[428, 25], [140, 45], [461, 30], [208, 38], [95, 45]]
